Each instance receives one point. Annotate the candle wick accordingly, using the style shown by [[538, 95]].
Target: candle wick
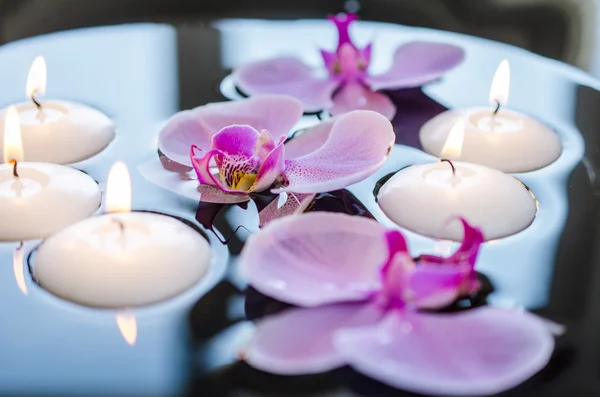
[[37, 104], [14, 164], [451, 165], [120, 224], [497, 107]]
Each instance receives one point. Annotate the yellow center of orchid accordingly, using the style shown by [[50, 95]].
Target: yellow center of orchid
[[242, 180]]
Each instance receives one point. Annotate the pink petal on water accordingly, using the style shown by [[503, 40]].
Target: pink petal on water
[[477, 352], [275, 113], [288, 76], [358, 144], [271, 167], [354, 96], [316, 258], [308, 140], [300, 341], [296, 203], [212, 194], [417, 63]]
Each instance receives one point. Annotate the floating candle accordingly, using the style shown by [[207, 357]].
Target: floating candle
[[123, 258], [37, 199], [496, 137], [423, 198], [59, 132]]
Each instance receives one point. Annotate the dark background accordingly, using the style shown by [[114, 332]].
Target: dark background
[[560, 29]]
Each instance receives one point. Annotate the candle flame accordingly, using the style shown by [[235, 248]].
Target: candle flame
[[128, 326], [500, 84], [13, 146], [36, 80], [453, 147], [118, 189], [18, 268]]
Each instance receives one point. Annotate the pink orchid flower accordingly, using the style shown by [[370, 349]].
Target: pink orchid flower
[[349, 85], [238, 148], [366, 303]]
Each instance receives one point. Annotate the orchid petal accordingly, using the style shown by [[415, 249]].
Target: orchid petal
[[264, 144], [275, 113], [182, 183], [477, 352], [316, 258], [342, 23], [296, 203], [354, 96], [288, 76], [236, 140], [212, 194], [417, 63], [271, 167], [202, 166], [358, 144], [308, 140], [300, 341]]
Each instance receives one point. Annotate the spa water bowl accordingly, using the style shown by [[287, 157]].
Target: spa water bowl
[[139, 75]]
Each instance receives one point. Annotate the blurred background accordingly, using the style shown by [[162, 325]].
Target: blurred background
[[561, 29]]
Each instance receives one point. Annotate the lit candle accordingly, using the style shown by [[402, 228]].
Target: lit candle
[[122, 259], [424, 198], [496, 137], [37, 199], [58, 132]]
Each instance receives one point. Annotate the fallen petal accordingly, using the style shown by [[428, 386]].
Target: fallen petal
[[295, 203], [299, 341], [355, 96], [358, 144], [477, 352], [316, 258], [288, 76], [275, 113], [417, 63]]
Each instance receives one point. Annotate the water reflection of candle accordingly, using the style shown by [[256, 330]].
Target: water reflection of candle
[[128, 326], [122, 259], [58, 131], [18, 268], [497, 137], [422, 198]]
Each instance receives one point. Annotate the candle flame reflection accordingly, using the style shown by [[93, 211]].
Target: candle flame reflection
[[453, 147], [36, 80], [500, 84], [118, 189], [18, 268], [128, 326], [13, 146]]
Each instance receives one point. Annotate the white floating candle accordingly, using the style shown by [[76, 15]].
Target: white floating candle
[[123, 258], [505, 140], [37, 199], [424, 198], [59, 132]]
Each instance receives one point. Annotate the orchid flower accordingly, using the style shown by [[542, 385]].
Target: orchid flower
[[349, 84], [367, 303], [238, 148]]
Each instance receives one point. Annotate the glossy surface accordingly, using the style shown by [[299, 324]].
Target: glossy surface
[[141, 74]]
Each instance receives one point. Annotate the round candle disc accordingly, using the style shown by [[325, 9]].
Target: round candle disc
[[43, 199], [508, 141], [62, 132], [122, 260], [426, 198]]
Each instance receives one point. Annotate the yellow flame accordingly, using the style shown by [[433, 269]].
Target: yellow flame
[[18, 268], [128, 326], [36, 80], [501, 84], [13, 146], [118, 189], [453, 146]]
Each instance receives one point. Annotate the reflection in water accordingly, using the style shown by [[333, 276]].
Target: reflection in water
[[18, 267], [128, 326]]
